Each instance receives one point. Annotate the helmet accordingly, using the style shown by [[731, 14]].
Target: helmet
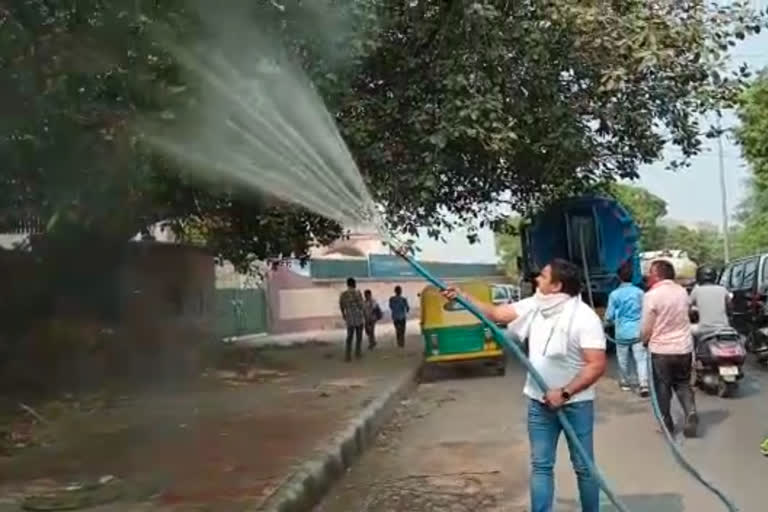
[[706, 274]]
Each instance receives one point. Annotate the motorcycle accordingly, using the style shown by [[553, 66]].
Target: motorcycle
[[720, 356]]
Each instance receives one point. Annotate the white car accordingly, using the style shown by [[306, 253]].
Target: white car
[[505, 293]]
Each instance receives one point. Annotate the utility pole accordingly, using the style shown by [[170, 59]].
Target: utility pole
[[723, 193]]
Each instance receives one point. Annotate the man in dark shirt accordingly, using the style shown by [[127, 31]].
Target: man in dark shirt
[[398, 307], [372, 315]]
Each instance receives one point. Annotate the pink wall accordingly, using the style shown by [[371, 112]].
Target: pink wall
[[298, 303]]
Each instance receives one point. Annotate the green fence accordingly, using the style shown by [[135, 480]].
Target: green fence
[[240, 311], [338, 269], [386, 266]]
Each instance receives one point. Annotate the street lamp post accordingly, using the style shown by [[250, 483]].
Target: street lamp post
[[723, 192]]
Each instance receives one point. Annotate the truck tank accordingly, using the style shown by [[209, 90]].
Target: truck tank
[[594, 230], [685, 267]]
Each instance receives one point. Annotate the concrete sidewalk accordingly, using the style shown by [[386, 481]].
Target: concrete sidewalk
[[270, 433], [385, 331]]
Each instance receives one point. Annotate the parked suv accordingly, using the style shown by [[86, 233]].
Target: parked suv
[[747, 280]]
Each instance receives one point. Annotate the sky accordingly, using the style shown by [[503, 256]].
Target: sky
[[694, 193], [456, 249]]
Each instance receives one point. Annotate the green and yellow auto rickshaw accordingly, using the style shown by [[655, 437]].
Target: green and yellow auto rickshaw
[[454, 335]]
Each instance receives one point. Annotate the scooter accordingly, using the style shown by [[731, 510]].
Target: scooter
[[720, 356]]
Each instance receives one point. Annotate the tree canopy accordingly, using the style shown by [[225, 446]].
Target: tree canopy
[[448, 107], [646, 209], [703, 244], [752, 134], [75, 76], [527, 101], [509, 246]]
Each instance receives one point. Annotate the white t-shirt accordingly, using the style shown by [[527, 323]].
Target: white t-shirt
[[555, 344]]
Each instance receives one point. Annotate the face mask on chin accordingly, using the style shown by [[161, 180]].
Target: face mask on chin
[[550, 303], [547, 305]]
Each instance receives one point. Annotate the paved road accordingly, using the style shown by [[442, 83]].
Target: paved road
[[460, 445]]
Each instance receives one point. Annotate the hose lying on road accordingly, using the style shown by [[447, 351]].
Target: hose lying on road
[[514, 347], [673, 447], [676, 453]]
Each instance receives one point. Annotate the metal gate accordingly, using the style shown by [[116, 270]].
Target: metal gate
[[240, 312]]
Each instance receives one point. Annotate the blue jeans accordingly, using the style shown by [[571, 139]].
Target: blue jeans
[[633, 363], [544, 432]]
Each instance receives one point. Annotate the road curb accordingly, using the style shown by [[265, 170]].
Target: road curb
[[307, 486]]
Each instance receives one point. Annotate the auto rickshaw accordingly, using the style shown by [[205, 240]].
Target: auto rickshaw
[[453, 335]]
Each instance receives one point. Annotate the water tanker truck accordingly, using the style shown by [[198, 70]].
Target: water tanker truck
[[596, 233], [685, 268]]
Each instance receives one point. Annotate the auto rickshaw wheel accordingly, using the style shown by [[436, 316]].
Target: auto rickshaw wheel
[[501, 367]]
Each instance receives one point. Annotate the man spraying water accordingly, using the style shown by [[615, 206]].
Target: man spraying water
[[567, 346]]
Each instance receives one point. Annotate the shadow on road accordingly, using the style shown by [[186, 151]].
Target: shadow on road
[[457, 371], [611, 405], [749, 386], [711, 418], [635, 502]]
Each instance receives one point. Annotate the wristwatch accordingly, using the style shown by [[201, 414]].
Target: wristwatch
[[565, 394]]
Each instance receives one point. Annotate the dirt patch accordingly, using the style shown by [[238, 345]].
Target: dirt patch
[[458, 492], [214, 445], [465, 456], [409, 411], [204, 461], [349, 383], [219, 460]]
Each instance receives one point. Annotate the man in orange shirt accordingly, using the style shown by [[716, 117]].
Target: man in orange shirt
[[666, 330]]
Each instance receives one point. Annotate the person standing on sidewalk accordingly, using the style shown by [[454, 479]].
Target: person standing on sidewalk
[[353, 311], [567, 347], [666, 330], [398, 307], [624, 311], [372, 315]]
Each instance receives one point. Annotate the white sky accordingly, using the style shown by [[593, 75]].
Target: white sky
[[456, 249]]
